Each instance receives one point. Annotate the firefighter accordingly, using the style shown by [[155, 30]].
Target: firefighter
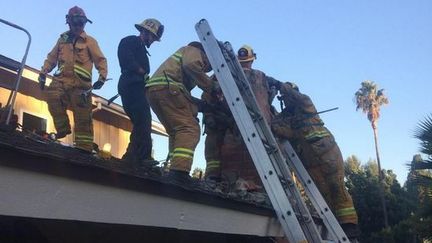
[[74, 55], [216, 122], [168, 92], [300, 123], [135, 68]]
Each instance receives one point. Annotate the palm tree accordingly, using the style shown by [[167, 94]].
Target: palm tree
[[422, 176], [370, 99]]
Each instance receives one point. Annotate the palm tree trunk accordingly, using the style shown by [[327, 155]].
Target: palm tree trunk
[[380, 176]]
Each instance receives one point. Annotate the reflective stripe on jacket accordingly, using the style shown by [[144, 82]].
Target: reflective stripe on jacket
[[76, 57], [303, 117], [185, 68]]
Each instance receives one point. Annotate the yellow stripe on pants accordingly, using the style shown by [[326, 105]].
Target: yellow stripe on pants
[[178, 115]]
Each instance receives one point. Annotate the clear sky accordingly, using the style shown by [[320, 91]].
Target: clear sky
[[327, 47]]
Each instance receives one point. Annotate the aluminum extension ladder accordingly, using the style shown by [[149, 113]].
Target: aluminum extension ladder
[[273, 169]]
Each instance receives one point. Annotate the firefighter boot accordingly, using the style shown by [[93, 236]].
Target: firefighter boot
[[352, 231], [59, 135], [179, 177], [148, 163], [212, 180]]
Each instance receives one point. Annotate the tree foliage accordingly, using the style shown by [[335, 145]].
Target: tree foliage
[[363, 184], [369, 99], [419, 181]]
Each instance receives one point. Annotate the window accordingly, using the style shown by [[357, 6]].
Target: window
[[34, 123]]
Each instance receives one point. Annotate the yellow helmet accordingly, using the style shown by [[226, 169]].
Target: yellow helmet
[[246, 54], [152, 25]]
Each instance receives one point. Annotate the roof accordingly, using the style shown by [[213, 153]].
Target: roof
[[9, 63], [48, 180]]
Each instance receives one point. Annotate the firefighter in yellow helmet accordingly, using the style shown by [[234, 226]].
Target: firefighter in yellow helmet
[[74, 54], [316, 147], [265, 89], [135, 68], [168, 92]]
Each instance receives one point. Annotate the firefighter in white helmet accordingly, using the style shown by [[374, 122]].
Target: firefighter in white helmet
[[135, 68]]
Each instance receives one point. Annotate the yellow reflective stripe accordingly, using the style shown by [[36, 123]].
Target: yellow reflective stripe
[[81, 71], [158, 80], [183, 152], [317, 134], [213, 164], [162, 81], [345, 212], [182, 155], [177, 56], [83, 138]]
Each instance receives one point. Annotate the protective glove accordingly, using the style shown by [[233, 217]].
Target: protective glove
[[42, 80], [98, 84]]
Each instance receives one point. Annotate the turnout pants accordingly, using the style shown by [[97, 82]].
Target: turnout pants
[[179, 116], [66, 92], [323, 160], [213, 151]]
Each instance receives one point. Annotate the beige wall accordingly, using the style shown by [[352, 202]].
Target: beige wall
[[103, 133]]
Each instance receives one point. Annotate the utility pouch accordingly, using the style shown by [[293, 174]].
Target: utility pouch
[[177, 97]]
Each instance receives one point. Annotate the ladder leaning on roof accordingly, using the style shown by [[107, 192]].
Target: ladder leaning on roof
[[273, 169]]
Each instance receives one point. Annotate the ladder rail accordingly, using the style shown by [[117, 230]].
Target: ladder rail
[[312, 191], [276, 157], [265, 167]]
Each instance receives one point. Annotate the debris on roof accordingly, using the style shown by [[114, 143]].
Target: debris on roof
[[36, 145]]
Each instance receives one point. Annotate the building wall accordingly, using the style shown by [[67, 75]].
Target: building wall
[[103, 133]]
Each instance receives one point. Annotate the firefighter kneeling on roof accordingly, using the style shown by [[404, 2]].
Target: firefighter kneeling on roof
[[300, 123]]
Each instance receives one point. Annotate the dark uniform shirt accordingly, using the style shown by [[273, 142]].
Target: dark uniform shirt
[[132, 55]]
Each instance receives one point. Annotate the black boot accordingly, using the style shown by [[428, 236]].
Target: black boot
[[179, 177], [59, 135], [148, 163]]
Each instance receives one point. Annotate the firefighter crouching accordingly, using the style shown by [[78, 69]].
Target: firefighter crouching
[[168, 92], [217, 120], [74, 55], [300, 123], [225, 151]]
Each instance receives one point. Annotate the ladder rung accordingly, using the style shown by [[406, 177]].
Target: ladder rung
[[273, 168]]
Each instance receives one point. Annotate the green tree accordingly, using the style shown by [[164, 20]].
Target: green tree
[[421, 177], [364, 186], [369, 99]]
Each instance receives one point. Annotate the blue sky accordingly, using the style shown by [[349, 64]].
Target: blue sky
[[327, 47]]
